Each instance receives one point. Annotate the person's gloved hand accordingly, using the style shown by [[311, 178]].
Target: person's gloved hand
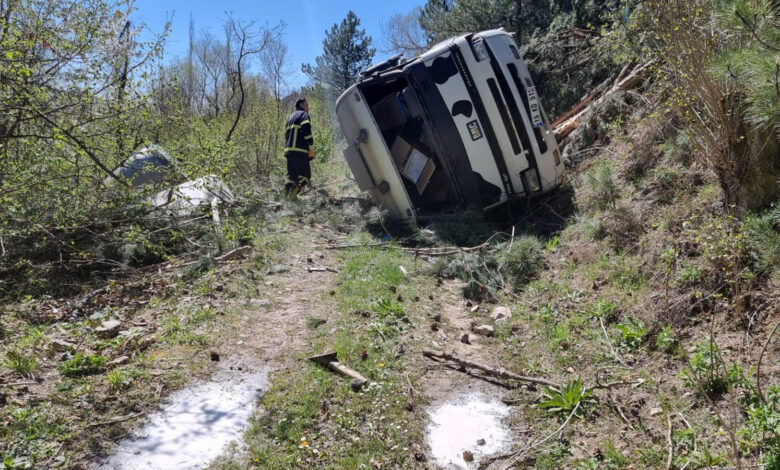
[[311, 153]]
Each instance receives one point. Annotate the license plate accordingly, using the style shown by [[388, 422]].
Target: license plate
[[533, 105], [474, 130]]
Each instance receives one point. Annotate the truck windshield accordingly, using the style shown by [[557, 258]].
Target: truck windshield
[[406, 131]]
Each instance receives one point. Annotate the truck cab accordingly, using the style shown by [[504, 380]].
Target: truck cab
[[459, 126]]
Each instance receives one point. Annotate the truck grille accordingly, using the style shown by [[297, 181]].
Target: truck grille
[[524, 96]]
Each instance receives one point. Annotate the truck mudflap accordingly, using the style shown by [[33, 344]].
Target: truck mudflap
[[360, 170]]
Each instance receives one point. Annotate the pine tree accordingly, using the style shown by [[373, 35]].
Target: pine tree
[[346, 51]]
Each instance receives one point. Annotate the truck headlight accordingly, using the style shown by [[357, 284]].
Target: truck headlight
[[531, 181], [478, 46]]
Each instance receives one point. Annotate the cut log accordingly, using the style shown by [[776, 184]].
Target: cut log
[[582, 103], [570, 120], [492, 371]]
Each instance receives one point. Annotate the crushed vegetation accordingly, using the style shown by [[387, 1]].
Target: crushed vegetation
[[499, 266]]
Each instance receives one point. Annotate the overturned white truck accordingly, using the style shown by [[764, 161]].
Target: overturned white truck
[[458, 126]]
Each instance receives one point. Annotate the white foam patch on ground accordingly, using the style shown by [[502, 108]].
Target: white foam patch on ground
[[457, 425], [195, 425]]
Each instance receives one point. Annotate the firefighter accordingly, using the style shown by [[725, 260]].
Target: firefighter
[[298, 148]]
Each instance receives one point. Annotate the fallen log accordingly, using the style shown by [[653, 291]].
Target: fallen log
[[581, 103], [85, 300], [237, 253], [331, 361], [570, 120], [492, 371], [319, 269]]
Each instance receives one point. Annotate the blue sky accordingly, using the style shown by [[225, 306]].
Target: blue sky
[[306, 21]]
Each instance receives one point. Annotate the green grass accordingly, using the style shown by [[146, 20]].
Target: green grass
[[117, 380], [20, 363], [368, 275], [33, 337], [83, 364], [553, 457], [622, 270], [31, 433], [189, 327]]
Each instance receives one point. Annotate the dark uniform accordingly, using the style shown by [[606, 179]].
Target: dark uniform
[[298, 139]]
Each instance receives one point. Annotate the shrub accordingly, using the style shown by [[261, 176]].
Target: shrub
[[688, 276], [494, 268], [631, 333], [725, 249], [763, 242], [315, 322], [524, 261], [718, 61], [604, 309], [761, 432], [479, 271], [678, 149], [702, 374], [603, 187], [666, 342], [83, 364]]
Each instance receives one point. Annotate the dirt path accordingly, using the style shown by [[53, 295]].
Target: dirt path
[[272, 331], [266, 333], [275, 329]]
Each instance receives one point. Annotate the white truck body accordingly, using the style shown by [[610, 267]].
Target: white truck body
[[458, 126]]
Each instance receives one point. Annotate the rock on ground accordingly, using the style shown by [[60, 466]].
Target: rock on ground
[[109, 328], [484, 330], [501, 313]]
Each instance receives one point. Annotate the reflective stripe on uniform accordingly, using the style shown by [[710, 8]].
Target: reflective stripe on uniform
[[295, 149], [305, 122]]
